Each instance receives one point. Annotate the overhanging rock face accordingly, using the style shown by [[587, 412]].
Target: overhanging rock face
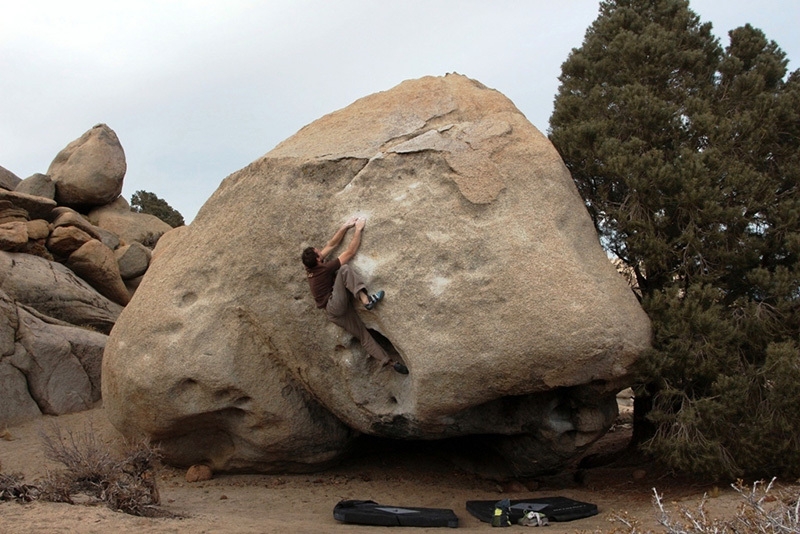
[[499, 298]]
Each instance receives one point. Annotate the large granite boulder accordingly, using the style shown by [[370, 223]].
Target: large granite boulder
[[500, 300], [89, 171]]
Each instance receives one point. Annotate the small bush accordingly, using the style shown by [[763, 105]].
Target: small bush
[[93, 475], [761, 512]]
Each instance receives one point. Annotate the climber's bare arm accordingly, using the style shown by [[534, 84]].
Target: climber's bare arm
[[337, 237], [352, 247]]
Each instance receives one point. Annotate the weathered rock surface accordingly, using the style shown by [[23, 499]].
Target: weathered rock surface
[[55, 291], [37, 207], [11, 213], [133, 260], [8, 180], [45, 366], [56, 379], [66, 217], [97, 264], [132, 284], [38, 229], [500, 300], [17, 405], [130, 226], [64, 240], [90, 170], [13, 235], [39, 185]]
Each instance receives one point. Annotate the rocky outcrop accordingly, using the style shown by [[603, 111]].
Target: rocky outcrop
[[55, 291], [63, 279], [500, 300], [86, 178]]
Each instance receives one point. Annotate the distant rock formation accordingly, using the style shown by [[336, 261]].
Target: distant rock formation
[[65, 275], [499, 299]]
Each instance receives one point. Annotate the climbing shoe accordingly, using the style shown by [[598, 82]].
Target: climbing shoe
[[374, 299]]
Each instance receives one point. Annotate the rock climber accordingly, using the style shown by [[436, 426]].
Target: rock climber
[[333, 283]]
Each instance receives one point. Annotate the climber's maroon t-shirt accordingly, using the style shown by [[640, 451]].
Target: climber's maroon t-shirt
[[320, 279]]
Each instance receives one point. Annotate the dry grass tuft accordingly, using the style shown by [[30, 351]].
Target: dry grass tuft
[[94, 476]]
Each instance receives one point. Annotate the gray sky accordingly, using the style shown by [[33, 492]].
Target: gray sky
[[197, 89]]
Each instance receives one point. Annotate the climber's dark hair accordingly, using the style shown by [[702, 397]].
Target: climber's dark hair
[[310, 257]]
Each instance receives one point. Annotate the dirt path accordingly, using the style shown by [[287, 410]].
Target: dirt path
[[304, 503]]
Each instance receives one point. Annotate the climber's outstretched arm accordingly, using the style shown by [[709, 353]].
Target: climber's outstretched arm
[[352, 248], [337, 237]]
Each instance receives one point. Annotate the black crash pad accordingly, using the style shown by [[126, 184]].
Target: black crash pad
[[372, 513], [555, 508]]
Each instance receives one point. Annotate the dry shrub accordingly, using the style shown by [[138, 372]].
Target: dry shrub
[[12, 489], [764, 510], [94, 476]]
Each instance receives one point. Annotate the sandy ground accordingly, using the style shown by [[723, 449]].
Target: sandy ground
[[420, 476]]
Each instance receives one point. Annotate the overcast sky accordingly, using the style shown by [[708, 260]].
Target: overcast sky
[[197, 89]]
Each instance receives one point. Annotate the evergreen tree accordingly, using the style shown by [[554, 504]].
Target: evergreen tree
[[146, 202], [687, 158]]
